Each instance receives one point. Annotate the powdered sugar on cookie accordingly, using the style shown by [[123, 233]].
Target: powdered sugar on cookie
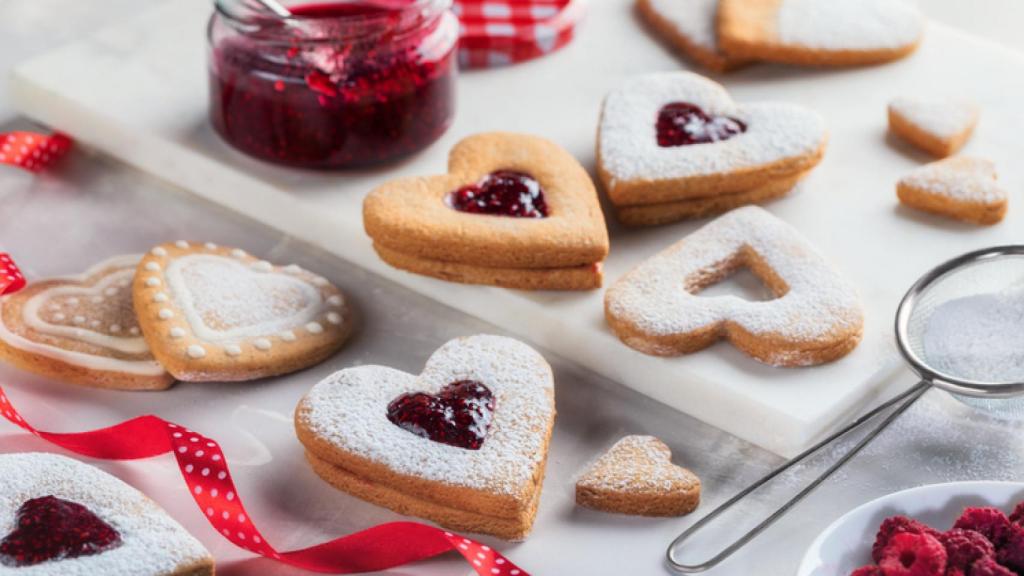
[[849, 24], [637, 464], [940, 117], [694, 19], [962, 178]]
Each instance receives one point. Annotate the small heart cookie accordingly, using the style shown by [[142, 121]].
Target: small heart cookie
[[213, 313], [81, 329], [939, 126], [514, 210], [820, 32], [816, 316], [691, 26], [678, 136], [62, 517], [463, 444], [962, 187], [636, 476]]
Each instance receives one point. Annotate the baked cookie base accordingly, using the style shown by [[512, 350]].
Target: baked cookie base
[[72, 374], [930, 143], [665, 29], [981, 213], [660, 504]]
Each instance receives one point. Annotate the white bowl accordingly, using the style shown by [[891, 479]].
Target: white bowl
[[846, 544]]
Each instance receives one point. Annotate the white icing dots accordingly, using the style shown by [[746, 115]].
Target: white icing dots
[[287, 336], [115, 328], [134, 330], [261, 344], [78, 319], [320, 281], [210, 246], [96, 299], [336, 300], [110, 291], [262, 266], [196, 351], [334, 318], [314, 328], [55, 307], [59, 317], [152, 266], [159, 297], [94, 323], [73, 301], [181, 244], [152, 281], [292, 269], [233, 350], [165, 314], [238, 253], [159, 251], [177, 332]]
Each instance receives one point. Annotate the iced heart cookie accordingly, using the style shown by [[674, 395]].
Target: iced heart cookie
[[212, 313], [691, 26], [939, 126], [60, 517], [463, 444], [637, 476], [816, 316], [820, 32], [514, 210], [678, 137], [81, 329], [962, 187]]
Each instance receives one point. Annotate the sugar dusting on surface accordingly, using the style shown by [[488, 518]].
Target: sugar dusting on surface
[[978, 337], [960, 178], [637, 464], [943, 117], [849, 24]]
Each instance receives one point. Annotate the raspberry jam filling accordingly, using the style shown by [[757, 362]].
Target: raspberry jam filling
[[50, 528], [502, 193], [459, 415], [682, 124]]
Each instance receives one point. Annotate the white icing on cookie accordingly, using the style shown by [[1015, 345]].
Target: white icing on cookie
[[196, 351], [961, 178], [314, 328], [943, 118], [849, 24], [694, 19]]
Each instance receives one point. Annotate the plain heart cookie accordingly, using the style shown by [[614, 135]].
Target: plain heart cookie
[[214, 313], [820, 32], [59, 517], [962, 187], [677, 139], [513, 210], [691, 27], [816, 316], [82, 330], [637, 476], [939, 126], [463, 444]]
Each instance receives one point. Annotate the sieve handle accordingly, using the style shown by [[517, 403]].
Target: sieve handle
[[907, 398]]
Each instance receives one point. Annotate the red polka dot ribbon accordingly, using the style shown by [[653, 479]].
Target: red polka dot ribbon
[[501, 32], [31, 151], [11, 279]]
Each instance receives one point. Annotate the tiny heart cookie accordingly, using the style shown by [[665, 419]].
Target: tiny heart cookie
[[820, 32], [63, 518], [678, 136], [637, 476], [81, 329], [514, 210], [939, 126], [691, 26], [463, 444], [816, 316], [213, 313], [964, 188]]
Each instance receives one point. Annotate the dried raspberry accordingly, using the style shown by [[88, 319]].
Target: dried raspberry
[[991, 522], [868, 571], [988, 567], [965, 547], [897, 525], [913, 555], [1017, 517], [1011, 553]]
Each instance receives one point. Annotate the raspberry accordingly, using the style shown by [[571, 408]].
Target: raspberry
[[965, 547], [955, 572], [897, 525], [868, 571], [988, 567], [1017, 517], [913, 555], [1011, 553], [991, 522]]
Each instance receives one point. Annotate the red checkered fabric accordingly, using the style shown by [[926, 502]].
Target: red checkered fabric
[[501, 32]]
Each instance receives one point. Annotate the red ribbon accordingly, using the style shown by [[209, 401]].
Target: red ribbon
[[11, 279], [32, 151], [206, 473]]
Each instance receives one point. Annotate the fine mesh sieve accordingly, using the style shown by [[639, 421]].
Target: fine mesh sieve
[[961, 329]]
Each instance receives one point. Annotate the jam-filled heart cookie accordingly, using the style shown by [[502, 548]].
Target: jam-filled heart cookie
[[676, 145], [60, 517], [939, 126], [514, 210], [213, 313], [962, 187], [820, 32], [463, 444], [637, 476], [816, 316], [81, 329], [691, 26]]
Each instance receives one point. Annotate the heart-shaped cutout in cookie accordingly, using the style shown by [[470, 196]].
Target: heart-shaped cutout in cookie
[[50, 528], [82, 330], [513, 210], [961, 187], [490, 483], [637, 476], [691, 26], [727, 148], [819, 32], [217, 313], [816, 317]]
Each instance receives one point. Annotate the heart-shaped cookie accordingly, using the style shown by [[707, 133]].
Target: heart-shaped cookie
[[816, 316], [464, 443], [819, 32], [217, 313], [939, 126], [962, 187], [63, 517], [637, 476], [677, 136], [513, 210], [81, 329], [691, 26]]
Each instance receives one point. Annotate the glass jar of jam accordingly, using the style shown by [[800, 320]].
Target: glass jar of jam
[[338, 85]]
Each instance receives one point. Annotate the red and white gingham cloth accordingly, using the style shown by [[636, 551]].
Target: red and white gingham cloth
[[501, 32]]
